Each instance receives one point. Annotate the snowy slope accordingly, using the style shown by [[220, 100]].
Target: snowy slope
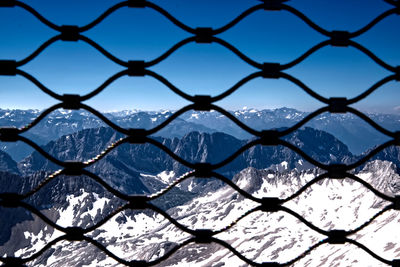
[[277, 237]]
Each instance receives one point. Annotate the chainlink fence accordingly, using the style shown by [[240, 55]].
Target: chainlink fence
[[266, 137]]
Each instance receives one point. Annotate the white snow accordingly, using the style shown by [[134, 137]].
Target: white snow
[[166, 176], [190, 187], [284, 164], [195, 116], [260, 236], [67, 216], [37, 242], [63, 111]]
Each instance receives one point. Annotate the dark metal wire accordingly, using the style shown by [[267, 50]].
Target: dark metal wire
[[200, 170]]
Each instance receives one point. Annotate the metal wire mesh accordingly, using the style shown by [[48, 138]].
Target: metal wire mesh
[[266, 137]]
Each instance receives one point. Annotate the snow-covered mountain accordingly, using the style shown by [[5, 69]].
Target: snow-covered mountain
[[354, 132], [261, 236]]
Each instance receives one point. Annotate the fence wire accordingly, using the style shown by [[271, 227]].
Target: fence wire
[[266, 137]]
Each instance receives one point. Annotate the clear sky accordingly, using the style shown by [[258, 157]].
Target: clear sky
[[144, 34]]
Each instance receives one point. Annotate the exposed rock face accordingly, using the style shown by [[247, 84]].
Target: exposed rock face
[[7, 164], [391, 154]]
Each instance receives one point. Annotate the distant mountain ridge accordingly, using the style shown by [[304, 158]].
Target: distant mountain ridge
[[132, 160], [63, 122], [355, 133]]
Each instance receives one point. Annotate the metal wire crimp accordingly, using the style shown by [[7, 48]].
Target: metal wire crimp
[[337, 171], [340, 38], [203, 236], [396, 263], [137, 136], [271, 70], [270, 137], [74, 234], [9, 134], [136, 68], [270, 204], [396, 3], [202, 102], [8, 67], [7, 3], [139, 202], [396, 202], [203, 170], [397, 72], [204, 35], [10, 200], [71, 101], [338, 105], [73, 168], [337, 237], [69, 33], [13, 262], [397, 137]]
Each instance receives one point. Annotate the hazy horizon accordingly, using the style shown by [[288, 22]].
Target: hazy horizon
[[394, 112]]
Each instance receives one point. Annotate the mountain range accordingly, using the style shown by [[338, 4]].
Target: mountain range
[[144, 162], [260, 236], [355, 133], [197, 203]]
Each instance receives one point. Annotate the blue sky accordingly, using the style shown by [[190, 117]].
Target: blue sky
[[144, 34]]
